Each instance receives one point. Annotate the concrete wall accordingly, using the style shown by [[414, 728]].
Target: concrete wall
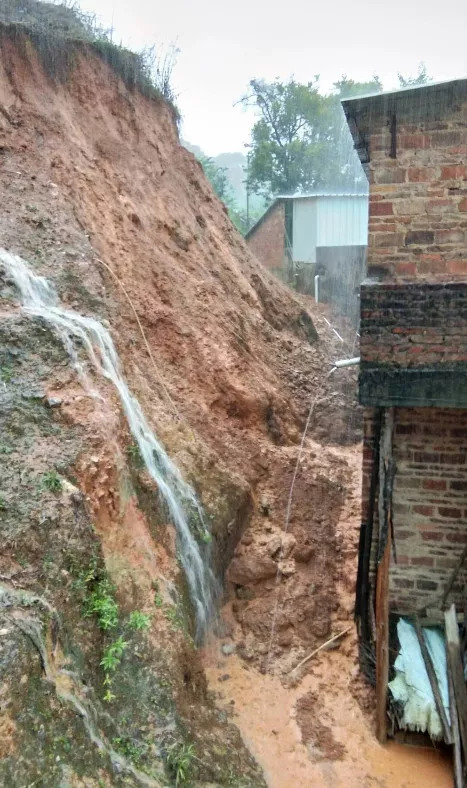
[[341, 272], [331, 221], [338, 225]]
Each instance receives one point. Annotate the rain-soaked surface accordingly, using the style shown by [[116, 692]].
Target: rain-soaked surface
[[266, 713]]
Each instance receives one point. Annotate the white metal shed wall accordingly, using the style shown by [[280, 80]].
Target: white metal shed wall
[[342, 221], [328, 221], [304, 230]]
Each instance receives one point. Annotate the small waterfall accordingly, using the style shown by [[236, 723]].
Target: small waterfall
[[39, 299]]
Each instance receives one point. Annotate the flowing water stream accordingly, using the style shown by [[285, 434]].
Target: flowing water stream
[[76, 331]]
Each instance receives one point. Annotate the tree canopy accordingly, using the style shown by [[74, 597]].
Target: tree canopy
[[300, 141], [421, 78], [220, 182]]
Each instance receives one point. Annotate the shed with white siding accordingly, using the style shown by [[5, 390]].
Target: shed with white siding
[[326, 233], [325, 220]]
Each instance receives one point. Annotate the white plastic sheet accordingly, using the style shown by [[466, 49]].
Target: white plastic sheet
[[411, 685]]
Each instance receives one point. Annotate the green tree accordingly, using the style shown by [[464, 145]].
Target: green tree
[[289, 138], [221, 185], [348, 88], [421, 77], [300, 141], [218, 178], [351, 175]]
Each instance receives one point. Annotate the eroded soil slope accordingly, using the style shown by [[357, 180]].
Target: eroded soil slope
[[98, 196], [311, 726]]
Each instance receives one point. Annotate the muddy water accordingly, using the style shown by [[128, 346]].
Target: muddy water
[[265, 712], [320, 732]]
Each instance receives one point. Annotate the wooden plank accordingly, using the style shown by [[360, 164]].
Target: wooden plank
[[433, 682], [321, 647], [457, 754], [436, 620], [385, 480], [457, 672], [363, 609], [464, 621], [382, 644], [454, 574], [382, 577]]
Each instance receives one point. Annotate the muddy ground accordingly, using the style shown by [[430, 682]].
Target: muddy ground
[[315, 726], [98, 195]]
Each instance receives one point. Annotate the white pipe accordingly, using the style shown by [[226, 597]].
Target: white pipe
[[332, 328], [337, 334], [317, 288], [347, 362]]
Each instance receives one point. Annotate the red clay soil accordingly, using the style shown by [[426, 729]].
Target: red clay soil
[[236, 358], [91, 172], [315, 726], [314, 732], [227, 337]]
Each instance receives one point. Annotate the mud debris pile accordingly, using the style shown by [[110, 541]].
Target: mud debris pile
[[92, 172]]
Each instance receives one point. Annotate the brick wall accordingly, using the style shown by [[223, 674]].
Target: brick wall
[[267, 241], [418, 200], [430, 504], [413, 344], [414, 327], [415, 324]]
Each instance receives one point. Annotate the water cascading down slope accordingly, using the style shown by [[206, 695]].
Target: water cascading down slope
[[40, 300]]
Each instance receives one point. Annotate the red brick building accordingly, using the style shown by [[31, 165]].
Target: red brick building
[[413, 374], [322, 233], [267, 239]]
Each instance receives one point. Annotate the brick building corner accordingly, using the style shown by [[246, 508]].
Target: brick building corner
[[413, 374]]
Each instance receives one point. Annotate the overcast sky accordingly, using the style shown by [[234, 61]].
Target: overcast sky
[[225, 44]]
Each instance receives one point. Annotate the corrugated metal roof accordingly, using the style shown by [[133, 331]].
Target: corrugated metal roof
[[402, 91], [307, 195], [418, 102]]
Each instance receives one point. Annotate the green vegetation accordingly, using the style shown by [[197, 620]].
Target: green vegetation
[[110, 661], [300, 141], [134, 455], [421, 78], [198, 526], [130, 749], [60, 31], [113, 655], [179, 761], [139, 620], [101, 603], [158, 601], [6, 374], [5, 449], [174, 615], [3, 503], [220, 183], [52, 482]]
